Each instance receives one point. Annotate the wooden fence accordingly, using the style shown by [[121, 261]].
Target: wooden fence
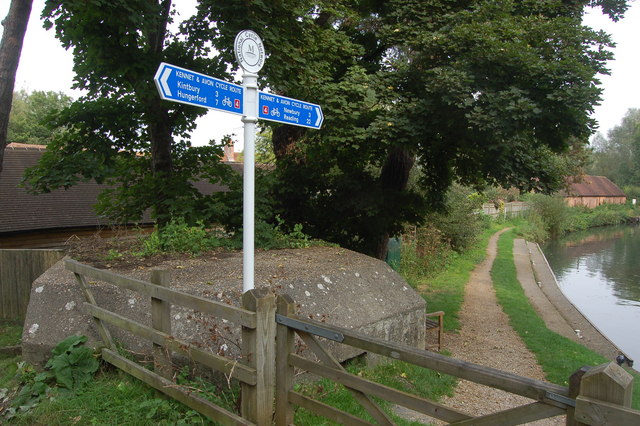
[[254, 371], [512, 209], [18, 270], [599, 395]]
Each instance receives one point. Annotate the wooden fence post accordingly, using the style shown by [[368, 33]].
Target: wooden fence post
[[574, 390], [285, 344], [161, 321], [258, 350], [605, 392]]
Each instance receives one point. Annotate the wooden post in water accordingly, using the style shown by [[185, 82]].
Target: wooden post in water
[[161, 321], [605, 397], [258, 351]]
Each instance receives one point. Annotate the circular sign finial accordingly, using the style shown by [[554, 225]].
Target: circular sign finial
[[249, 51]]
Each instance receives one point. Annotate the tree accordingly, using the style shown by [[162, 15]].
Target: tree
[[32, 113], [471, 92], [617, 156], [15, 26], [121, 132]]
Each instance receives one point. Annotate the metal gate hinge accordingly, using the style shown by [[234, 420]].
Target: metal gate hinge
[[309, 328]]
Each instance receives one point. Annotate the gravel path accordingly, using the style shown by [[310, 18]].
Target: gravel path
[[486, 338]]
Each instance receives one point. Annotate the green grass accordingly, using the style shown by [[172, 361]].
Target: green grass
[[445, 291], [10, 334], [558, 356], [398, 375], [113, 398]]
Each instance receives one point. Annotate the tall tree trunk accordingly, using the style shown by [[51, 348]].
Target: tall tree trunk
[[160, 128], [393, 177], [15, 26]]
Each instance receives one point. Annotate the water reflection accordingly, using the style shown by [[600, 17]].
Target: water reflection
[[599, 271]]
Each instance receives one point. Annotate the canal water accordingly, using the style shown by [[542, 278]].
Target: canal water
[[599, 272]]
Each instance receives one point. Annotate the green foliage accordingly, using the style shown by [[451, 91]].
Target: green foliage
[[443, 288], [551, 218], [71, 367], [113, 398], [10, 334], [31, 118], [177, 237], [550, 212], [617, 156], [460, 224], [477, 92], [120, 132]]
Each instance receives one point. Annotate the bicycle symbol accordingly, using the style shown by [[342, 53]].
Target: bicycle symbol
[[226, 101], [275, 112]]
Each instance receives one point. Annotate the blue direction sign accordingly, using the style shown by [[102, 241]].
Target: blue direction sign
[[289, 111], [192, 88]]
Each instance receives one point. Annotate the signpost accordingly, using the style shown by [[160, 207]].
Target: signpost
[[289, 111], [192, 88]]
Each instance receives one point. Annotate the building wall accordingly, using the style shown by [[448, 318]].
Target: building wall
[[593, 202]]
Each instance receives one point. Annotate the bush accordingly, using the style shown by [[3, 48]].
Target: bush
[[460, 224], [424, 252], [553, 214]]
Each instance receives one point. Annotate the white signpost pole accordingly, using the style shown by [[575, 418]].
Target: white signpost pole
[[249, 52], [250, 84]]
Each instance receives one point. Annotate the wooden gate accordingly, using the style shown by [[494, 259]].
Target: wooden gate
[[600, 395]]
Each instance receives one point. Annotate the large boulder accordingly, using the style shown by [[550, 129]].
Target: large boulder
[[329, 284]]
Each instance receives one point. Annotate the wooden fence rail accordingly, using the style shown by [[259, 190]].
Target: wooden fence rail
[[255, 372]]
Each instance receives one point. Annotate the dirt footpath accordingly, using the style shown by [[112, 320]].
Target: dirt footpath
[[486, 338]]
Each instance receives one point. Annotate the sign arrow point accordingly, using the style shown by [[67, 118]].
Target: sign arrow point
[[163, 81], [319, 120]]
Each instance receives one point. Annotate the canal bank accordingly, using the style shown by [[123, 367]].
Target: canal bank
[[559, 314]]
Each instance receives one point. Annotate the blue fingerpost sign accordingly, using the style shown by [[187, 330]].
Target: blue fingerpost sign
[[192, 88], [289, 111]]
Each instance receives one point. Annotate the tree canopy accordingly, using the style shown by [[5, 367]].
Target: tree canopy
[[617, 155], [474, 92], [32, 113], [470, 91], [120, 132]]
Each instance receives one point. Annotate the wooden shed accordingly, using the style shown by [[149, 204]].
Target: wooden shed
[[593, 191]]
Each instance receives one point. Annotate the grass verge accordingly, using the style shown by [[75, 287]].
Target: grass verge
[[558, 356]]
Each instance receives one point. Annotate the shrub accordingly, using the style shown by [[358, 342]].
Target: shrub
[[552, 212], [460, 224]]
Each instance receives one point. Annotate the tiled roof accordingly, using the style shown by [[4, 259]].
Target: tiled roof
[[71, 208], [20, 211], [593, 186]]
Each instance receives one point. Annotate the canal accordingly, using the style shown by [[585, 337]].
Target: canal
[[599, 272]]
